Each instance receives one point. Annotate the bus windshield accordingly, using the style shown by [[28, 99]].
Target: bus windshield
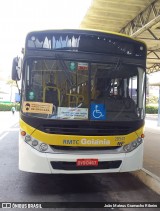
[[80, 90]]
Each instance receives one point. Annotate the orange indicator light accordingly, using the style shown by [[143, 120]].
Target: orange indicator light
[[23, 133]]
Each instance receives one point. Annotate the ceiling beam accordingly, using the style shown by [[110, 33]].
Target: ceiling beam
[[143, 21]]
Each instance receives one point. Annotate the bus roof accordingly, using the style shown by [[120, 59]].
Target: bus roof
[[81, 30]]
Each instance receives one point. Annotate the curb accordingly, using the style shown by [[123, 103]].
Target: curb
[[149, 179]]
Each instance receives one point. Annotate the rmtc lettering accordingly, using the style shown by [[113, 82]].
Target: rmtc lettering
[[70, 141]]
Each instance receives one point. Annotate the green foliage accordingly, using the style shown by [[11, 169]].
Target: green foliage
[[152, 100], [7, 107], [150, 109]]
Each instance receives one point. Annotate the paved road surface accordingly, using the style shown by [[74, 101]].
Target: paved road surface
[[152, 145]]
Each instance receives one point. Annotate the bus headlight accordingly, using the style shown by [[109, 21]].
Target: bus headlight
[[133, 145], [43, 147], [28, 138], [36, 144]]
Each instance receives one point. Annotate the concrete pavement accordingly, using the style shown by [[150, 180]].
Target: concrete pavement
[[150, 174], [7, 120], [152, 145]]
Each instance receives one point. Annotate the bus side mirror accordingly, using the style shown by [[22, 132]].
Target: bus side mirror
[[16, 69]]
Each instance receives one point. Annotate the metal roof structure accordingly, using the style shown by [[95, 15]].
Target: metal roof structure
[[139, 19]]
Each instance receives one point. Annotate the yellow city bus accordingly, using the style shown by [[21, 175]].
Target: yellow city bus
[[82, 102]]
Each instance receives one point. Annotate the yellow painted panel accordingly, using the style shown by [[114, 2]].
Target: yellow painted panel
[[82, 141]]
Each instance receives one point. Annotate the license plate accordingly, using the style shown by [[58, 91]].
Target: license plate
[[87, 162]]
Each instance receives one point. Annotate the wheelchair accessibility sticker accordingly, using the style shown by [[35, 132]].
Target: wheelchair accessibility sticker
[[98, 112]]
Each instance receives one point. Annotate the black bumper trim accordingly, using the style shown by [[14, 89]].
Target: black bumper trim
[[68, 166]]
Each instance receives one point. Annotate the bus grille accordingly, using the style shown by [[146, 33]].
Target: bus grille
[[86, 130], [77, 148], [72, 165]]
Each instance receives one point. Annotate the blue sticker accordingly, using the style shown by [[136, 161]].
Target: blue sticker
[[98, 112]]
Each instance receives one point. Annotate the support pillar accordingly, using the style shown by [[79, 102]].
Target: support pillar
[[159, 108]]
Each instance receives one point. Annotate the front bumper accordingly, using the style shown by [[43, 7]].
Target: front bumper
[[31, 160]]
